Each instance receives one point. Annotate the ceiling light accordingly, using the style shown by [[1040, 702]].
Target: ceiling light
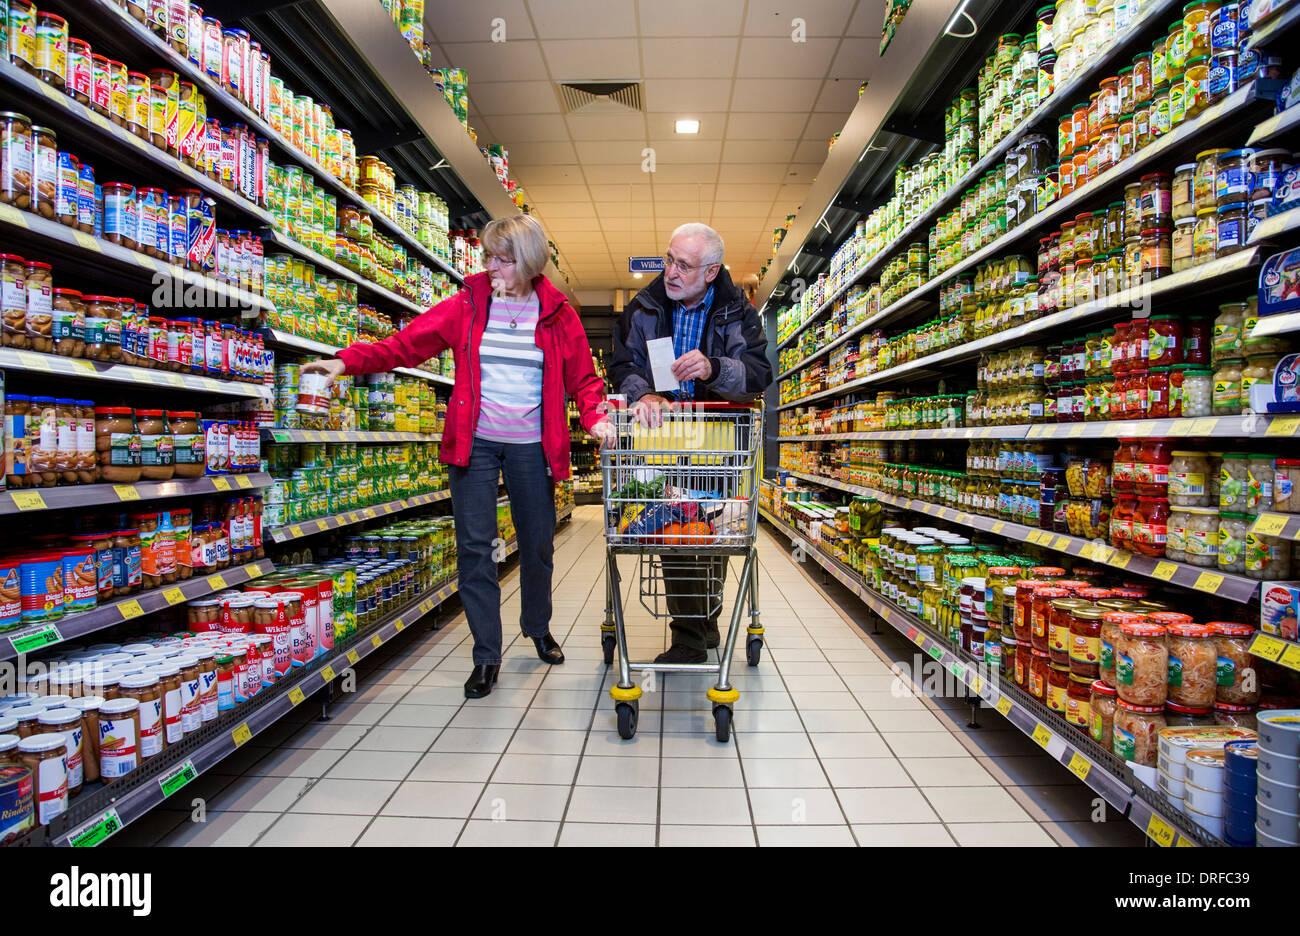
[[688, 126], [636, 276]]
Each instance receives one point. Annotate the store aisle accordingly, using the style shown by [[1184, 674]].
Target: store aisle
[[828, 748]]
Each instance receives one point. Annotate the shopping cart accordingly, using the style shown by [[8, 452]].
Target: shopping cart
[[683, 497]]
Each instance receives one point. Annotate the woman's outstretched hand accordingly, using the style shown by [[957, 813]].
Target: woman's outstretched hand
[[332, 368]]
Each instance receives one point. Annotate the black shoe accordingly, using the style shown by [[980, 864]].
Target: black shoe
[[480, 682], [712, 638], [680, 653], [548, 649]]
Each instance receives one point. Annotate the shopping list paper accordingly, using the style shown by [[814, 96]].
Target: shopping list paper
[[661, 362]]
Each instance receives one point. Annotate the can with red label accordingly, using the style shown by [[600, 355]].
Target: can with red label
[[307, 587], [300, 649], [323, 586], [273, 622]]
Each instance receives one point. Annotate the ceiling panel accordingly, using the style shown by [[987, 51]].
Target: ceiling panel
[[868, 20], [766, 126], [855, 59], [582, 18], [556, 194], [763, 95], [526, 128], [674, 58], [821, 17], [684, 95], [519, 60], [610, 152], [663, 126], [839, 96], [691, 18], [513, 97], [638, 192], [686, 207], [606, 175], [627, 126], [756, 151], [546, 175], [739, 191], [570, 224], [811, 151], [469, 22], [566, 208], [684, 191], [756, 172], [759, 57], [591, 59], [741, 209], [685, 150], [535, 154], [824, 126], [686, 172]]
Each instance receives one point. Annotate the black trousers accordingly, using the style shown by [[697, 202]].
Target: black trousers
[[688, 582]]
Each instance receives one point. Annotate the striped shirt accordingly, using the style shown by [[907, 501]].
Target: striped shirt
[[510, 365]]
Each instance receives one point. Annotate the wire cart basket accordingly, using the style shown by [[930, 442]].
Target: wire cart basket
[[683, 497]]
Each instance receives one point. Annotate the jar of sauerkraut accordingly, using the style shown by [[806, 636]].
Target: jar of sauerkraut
[[1233, 528], [1236, 679], [1142, 663], [1193, 656], [1136, 732], [1101, 714]]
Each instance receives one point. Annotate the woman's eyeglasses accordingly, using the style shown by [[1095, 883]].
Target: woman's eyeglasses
[[499, 261]]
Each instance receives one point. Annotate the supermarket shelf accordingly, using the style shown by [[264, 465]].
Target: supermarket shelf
[[306, 435], [1196, 131], [1278, 649], [36, 362], [293, 531], [1281, 324], [283, 339], [88, 495], [77, 124], [1284, 222], [564, 513], [106, 811], [39, 234], [102, 18], [1092, 765], [41, 636], [1226, 585], [274, 238], [1224, 427], [1274, 29], [1139, 297], [1268, 130], [1286, 526]]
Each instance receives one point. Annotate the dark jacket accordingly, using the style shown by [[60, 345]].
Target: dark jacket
[[733, 341]]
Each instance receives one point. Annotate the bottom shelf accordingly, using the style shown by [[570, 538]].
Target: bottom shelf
[[1096, 768]]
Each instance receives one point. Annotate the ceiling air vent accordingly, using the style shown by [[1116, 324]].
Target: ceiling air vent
[[601, 97]]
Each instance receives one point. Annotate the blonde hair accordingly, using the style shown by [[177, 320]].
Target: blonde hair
[[520, 238]]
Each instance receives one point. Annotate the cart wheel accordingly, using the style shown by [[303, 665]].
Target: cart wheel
[[753, 650], [626, 719], [607, 644], [722, 722]]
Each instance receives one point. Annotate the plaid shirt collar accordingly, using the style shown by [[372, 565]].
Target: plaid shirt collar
[[688, 330]]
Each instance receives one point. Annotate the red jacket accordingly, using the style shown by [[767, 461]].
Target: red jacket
[[458, 323]]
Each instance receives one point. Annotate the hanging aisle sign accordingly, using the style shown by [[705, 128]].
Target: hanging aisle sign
[[645, 264]]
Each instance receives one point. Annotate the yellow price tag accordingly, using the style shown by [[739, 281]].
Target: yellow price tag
[[400, 624], [176, 380], [376, 641], [130, 609], [1183, 843], [1062, 543], [1004, 705], [296, 696], [1164, 571], [1119, 559], [126, 492], [353, 657], [242, 481], [1208, 582], [221, 484], [216, 582], [242, 735], [999, 527], [87, 366], [388, 508], [327, 672], [1079, 766], [370, 513], [919, 639], [174, 596], [147, 262], [1270, 648], [977, 685], [1282, 426], [28, 500], [88, 241], [1202, 427], [1075, 431], [1160, 832], [36, 362], [296, 530], [1290, 657], [1181, 427], [1042, 735], [1269, 524]]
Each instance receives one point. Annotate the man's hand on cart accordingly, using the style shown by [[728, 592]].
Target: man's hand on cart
[[604, 431], [648, 409]]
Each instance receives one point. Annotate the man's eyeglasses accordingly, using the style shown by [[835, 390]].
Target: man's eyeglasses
[[684, 268]]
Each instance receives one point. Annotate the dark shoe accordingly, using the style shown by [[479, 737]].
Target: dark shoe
[[480, 682], [548, 649], [680, 653], [712, 638]]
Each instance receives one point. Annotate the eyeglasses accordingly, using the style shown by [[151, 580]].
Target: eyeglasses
[[499, 261], [684, 268]]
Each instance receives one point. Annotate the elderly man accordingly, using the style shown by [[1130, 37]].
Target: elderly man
[[721, 354]]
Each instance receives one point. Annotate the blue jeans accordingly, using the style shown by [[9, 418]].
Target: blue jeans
[[474, 506]]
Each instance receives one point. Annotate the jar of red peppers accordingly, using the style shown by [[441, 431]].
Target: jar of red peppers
[[1119, 362], [1135, 394], [1085, 642], [1150, 526], [1042, 614], [1058, 628], [1197, 338], [1039, 668], [1022, 622], [1164, 340], [1151, 468], [1124, 467], [1121, 522]]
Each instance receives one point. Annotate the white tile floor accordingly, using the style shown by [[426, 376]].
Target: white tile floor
[[826, 749]]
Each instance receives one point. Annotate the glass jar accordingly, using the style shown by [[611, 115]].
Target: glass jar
[[66, 315], [1151, 467], [1150, 526], [1141, 663], [117, 442], [1267, 558], [1183, 244], [1183, 203], [156, 446], [1234, 481], [1085, 642], [1206, 180], [1202, 536], [1193, 657], [1229, 328], [1286, 494], [1101, 713], [45, 172], [1187, 479], [1164, 340], [1227, 399], [1233, 528], [1157, 253], [1230, 229], [1236, 677], [1136, 730]]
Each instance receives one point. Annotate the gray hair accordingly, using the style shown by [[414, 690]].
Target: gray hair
[[712, 239]]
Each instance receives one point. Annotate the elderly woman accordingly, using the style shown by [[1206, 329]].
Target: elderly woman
[[519, 349]]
